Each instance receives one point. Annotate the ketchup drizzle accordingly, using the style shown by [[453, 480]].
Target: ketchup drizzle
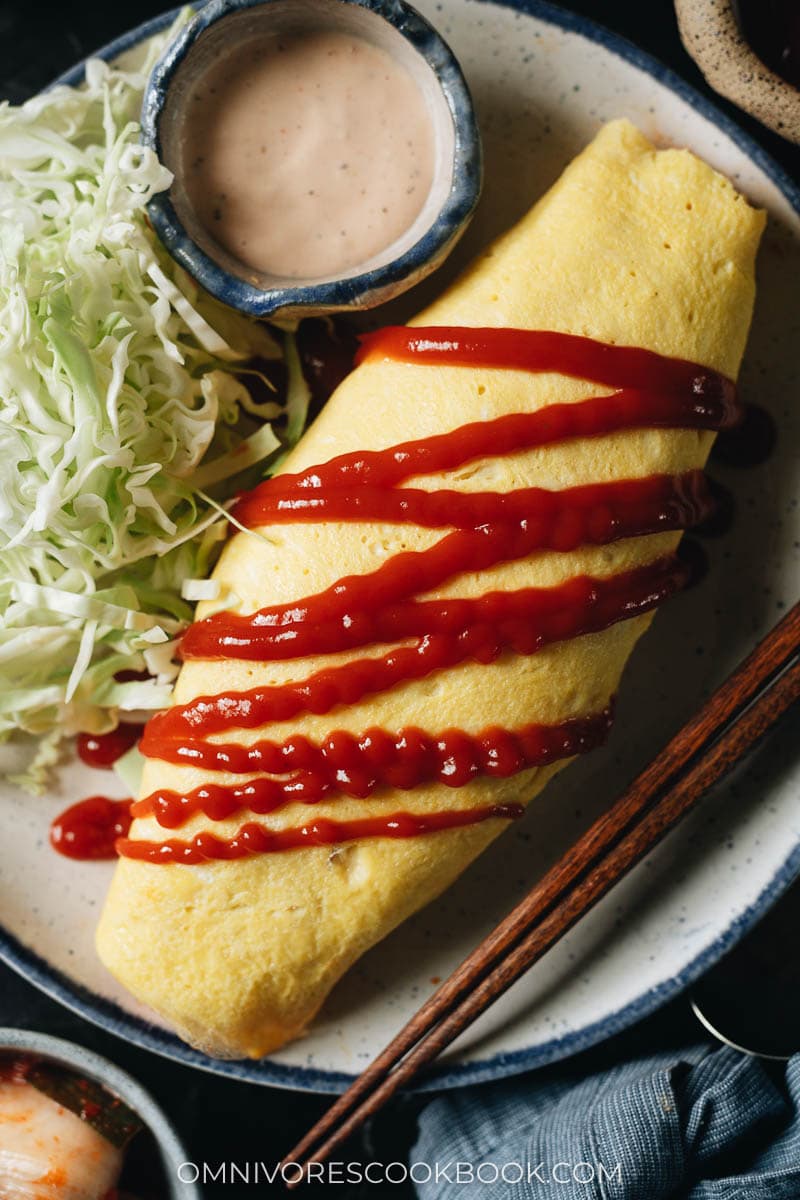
[[383, 607], [706, 408], [595, 512], [257, 839], [581, 605], [541, 351], [355, 765], [89, 829], [103, 749]]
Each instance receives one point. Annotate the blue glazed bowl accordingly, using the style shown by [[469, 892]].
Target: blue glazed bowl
[[396, 28]]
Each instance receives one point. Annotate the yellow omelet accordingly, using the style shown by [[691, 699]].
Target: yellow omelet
[[634, 246]]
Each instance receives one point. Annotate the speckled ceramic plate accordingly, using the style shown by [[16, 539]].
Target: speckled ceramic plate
[[543, 82]]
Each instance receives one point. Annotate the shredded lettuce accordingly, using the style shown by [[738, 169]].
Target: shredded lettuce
[[129, 770], [125, 416]]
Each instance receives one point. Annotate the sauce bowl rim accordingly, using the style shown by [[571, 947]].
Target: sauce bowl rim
[[368, 288]]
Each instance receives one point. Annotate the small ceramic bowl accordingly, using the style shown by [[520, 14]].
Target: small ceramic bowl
[[91, 1066], [711, 33], [395, 28]]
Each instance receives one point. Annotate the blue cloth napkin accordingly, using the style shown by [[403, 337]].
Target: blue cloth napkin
[[700, 1124]]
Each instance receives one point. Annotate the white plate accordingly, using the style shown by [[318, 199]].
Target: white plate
[[543, 82]]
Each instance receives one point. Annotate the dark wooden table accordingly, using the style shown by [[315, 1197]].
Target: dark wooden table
[[219, 1119]]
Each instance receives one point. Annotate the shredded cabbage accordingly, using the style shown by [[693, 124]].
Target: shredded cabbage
[[122, 405]]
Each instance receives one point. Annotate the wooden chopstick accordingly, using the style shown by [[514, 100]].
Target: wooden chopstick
[[734, 718]]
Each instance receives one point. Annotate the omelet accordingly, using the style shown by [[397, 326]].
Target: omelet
[[633, 246]]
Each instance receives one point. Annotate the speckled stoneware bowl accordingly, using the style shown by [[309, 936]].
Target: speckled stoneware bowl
[[710, 32], [91, 1066], [415, 45]]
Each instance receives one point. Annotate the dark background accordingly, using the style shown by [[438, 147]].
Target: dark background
[[220, 1119]]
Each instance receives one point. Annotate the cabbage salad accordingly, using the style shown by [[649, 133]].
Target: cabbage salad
[[131, 403]]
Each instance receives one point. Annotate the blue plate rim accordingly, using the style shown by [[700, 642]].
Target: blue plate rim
[[111, 1017]]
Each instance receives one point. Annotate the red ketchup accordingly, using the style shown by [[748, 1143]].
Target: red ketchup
[[480, 530], [356, 766], [256, 839], [89, 829], [103, 749]]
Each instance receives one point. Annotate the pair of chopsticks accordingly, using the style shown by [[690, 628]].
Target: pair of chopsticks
[[732, 721]]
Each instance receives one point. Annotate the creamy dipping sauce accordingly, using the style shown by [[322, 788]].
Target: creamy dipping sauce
[[305, 155]]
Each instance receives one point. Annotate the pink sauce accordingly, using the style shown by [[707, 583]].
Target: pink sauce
[[306, 155]]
